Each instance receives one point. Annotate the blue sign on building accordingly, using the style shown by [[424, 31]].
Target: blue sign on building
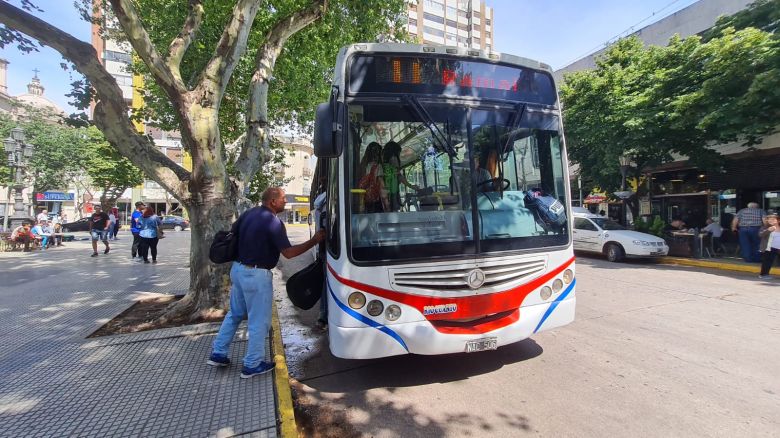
[[54, 196]]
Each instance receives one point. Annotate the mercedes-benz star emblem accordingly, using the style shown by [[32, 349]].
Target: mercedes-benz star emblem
[[475, 278]]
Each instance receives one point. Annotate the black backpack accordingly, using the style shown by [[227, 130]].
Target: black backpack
[[224, 247], [304, 288]]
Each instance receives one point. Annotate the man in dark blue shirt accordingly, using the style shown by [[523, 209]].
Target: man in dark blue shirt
[[261, 238]]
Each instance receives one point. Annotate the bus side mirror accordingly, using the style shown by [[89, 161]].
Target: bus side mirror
[[328, 130]]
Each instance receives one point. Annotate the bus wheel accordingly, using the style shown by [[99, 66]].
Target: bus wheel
[[614, 252]]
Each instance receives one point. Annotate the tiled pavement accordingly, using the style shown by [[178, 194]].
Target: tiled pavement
[[56, 382]]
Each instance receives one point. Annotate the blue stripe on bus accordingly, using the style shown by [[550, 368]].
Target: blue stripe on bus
[[367, 321], [554, 304]]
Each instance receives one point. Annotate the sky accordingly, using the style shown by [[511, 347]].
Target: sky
[[556, 32]]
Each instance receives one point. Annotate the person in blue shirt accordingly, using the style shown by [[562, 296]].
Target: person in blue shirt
[[149, 234], [262, 237], [134, 228]]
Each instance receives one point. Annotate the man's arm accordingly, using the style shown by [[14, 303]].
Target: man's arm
[[301, 248], [734, 223]]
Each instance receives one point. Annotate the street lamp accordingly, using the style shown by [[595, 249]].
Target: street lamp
[[18, 153], [625, 163]]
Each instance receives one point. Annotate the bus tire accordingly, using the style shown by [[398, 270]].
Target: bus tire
[[614, 252]]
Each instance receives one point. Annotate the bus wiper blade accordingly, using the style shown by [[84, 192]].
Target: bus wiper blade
[[513, 122], [426, 118]]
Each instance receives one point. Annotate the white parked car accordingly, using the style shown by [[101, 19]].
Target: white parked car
[[596, 233]]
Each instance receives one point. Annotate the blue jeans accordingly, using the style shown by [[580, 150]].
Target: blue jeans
[[748, 244], [250, 295]]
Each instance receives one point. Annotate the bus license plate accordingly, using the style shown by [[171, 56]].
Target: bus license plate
[[481, 345]]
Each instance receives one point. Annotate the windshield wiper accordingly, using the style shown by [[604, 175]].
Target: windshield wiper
[[426, 118], [513, 122]]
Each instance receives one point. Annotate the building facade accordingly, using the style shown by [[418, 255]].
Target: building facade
[[461, 23]]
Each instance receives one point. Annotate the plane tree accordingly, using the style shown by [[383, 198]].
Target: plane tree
[[242, 57]]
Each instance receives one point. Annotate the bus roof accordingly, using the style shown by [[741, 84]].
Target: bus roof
[[432, 49]]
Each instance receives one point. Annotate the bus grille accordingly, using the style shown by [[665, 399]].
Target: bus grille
[[496, 275]]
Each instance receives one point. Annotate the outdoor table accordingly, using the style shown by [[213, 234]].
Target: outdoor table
[[696, 242]]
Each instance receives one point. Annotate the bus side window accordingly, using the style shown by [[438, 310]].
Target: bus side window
[[333, 208]]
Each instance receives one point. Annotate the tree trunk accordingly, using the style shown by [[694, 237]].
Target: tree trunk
[[211, 209], [209, 283]]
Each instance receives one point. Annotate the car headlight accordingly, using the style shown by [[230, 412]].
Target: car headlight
[[393, 312], [637, 242], [356, 300], [375, 308]]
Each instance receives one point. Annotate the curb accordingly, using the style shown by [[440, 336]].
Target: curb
[[753, 269], [284, 404]]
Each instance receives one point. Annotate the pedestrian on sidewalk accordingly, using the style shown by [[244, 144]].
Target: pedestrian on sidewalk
[[114, 223], [261, 238], [98, 229], [770, 244], [715, 231], [134, 229], [747, 223], [149, 234]]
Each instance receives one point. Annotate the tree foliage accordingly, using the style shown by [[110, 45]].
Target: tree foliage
[[63, 153], [108, 171], [658, 103]]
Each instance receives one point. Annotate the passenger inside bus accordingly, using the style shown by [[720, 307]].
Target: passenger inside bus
[[371, 180], [393, 177]]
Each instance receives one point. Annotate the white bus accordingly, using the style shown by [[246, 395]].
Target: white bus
[[429, 156]]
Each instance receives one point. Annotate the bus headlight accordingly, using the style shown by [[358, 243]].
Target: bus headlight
[[546, 293], [393, 312], [356, 300], [568, 276], [557, 285], [375, 308]]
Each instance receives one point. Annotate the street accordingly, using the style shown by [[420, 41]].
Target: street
[[655, 350]]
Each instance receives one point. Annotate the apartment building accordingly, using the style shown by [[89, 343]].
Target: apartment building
[[461, 23]]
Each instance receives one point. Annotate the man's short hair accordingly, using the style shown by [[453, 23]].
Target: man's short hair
[[98, 206], [752, 204], [139, 203], [270, 194]]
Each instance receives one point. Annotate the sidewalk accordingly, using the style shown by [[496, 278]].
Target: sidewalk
[[721, 263], [56, 382]]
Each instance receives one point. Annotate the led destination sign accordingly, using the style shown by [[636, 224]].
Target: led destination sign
[[448, 76]]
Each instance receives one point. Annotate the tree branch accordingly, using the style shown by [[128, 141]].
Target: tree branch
[[252, 157], [232, 44], [180, 44], [111, 112], [142, 44]]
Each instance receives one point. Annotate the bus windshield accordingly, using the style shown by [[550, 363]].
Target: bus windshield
[[425, 178]]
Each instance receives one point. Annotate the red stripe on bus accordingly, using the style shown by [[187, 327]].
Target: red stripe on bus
[[468, 306]]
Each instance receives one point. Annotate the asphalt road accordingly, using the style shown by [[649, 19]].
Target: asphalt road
[[654, 351]]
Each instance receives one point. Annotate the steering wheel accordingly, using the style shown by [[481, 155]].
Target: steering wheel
[[504, 183]]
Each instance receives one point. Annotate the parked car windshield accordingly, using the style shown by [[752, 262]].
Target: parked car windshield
[[608, 224]]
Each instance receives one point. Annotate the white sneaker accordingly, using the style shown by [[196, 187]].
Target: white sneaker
[[764, 277]]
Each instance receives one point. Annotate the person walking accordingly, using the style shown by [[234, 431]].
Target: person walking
[[115, 224], [149, 234], [134, 229], [98, 229], [769, 245], [261, 238], [747, 223], [111, 223]]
